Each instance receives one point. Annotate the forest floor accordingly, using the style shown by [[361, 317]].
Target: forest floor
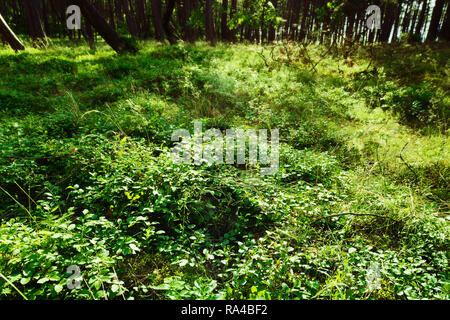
[[359, 208]]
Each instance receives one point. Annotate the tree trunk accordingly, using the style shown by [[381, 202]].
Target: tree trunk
[[444, 34], [88, 34], [111, 37], [232, 13], [224, 20], [421, 21], [185, 12], [406, 18], [157, 19], [435, 18], [413, 21], [209, 23], [294, 20], [397, 22], [272, 29], [35, 28], [167, 19], [8, 35], [131, 21], [111, 14], [303, 23], [142, 19], [388, 21]]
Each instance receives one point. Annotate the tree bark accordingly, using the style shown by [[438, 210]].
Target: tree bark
[[233, 11], [397, 22], [185, 15], [35, 28], [388, 21], [444, 34], [111, 37], [421, 21], [166, 21], [209, 23], [435, 18], [131, 21], [157, 19], [302, 34], [224, 20], [8, 35]]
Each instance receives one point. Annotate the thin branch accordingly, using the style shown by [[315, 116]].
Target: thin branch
[[353, 214], [406, 163]]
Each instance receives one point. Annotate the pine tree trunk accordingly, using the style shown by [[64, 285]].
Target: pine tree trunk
[[111, 37], [294, 19], [166, 21], [8, 35], [157, 19], [397, 22], [131, 21], [209, 23], [35, 28], [111, 14], [413, 21], [185, 12], [302, 34], [388, 21], [421, 21], [444, 34], [435, 18], [224, 20]]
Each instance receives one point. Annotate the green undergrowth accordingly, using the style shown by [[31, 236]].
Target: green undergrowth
[[358, 208]]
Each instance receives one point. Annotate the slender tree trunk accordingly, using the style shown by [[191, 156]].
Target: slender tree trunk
[[302, 34], [421, 21], [111, 14], [131, 21], [111, 37], [294, 19], [224, 21], [406, 18], [141, 18], [413, 21], [209, 23], [88, 34], [35, 28], [8, 35], [397, 22], [233, 11], [272, 29], [444, 34], [388, 21], [185, 13], [435, 18], [157, 19], [167, 19]]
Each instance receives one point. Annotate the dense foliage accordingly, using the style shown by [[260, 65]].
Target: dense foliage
[[357, 210]]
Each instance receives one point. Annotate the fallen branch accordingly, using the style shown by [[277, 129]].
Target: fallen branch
[[353, 214]]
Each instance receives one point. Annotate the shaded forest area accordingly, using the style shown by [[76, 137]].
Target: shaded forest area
[[334, 22]]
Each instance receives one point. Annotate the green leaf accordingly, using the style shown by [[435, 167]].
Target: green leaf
[[58, 288]]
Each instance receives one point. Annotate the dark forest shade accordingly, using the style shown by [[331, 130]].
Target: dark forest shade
[[35, 28], [237, 20], [157, 19]]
